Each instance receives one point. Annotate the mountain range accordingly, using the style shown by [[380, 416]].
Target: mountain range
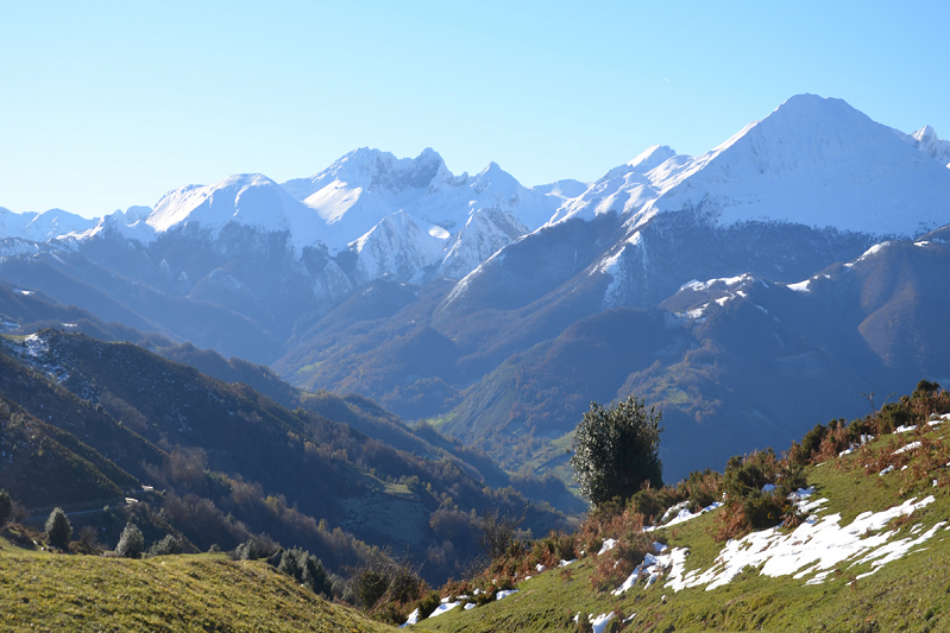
[[805, 253]]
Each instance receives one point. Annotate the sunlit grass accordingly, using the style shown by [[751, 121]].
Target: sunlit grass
[[48, 591]]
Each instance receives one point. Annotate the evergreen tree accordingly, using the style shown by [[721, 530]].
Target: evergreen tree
[[616, 450], [58, 529], [6, 508], [166, 547], [305, 568], [131, 543]]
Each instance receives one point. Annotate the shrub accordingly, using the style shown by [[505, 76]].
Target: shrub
[[616, 450], [131, 542], [427, 604], [304, 568], [632, 546], [371, 586], [6, 508], [748, 506], [89, 540], [168, 546], [58, 529], [703, 488], [811, 443], [652, 502], [247, 550], [498, 532]]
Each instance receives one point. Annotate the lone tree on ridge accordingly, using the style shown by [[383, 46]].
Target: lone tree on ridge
[[616, 450]]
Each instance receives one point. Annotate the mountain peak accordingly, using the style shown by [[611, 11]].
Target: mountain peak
[[814, 161], [248, 199], [652, 157], [926, 140], [925, 134]]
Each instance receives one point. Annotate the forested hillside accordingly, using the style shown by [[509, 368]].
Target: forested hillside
[[88, 423]]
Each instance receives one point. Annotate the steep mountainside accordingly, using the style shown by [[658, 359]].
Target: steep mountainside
[[375, 422], [727, 360], [85, 419]]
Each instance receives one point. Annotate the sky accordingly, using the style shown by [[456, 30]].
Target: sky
[[105, 105]]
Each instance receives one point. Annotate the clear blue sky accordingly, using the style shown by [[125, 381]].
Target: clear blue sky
[[108, 104]]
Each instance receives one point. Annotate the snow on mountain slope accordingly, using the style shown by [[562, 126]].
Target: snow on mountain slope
[[486, 232], [249, 199], [40, 227], [926, 140], [366, 185], [397, 246], [813, 161], [623, 189], [817, 162]]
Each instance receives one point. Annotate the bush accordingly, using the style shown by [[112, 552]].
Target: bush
[[58, 529], [89, 540], [371, 586], [632, 546], [616, 450], [427, 604], [168, 546], [811, 443], [247, 550], [498, 532], [653, 503], [6, 508], [304, 568], [748, 506], [131, 542]]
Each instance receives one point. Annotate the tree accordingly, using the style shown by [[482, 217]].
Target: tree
[[498, 532], [131, 543], [58, 529], [168, 546], [616, 450], [6, 508]]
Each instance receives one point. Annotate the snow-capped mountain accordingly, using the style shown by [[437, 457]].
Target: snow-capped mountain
[[486, 232], [40, 227], [813, 161], [407, 218], [251, 200], [759, 202], [926, 140], [365, 186], [397, 245], [622, 189]]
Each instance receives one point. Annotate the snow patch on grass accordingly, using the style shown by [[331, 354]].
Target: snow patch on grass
[[814, 547]]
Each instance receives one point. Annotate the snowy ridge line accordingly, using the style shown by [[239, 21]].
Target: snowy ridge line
[[413, 218]]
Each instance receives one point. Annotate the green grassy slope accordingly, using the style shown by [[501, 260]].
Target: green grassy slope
[[911, 593], [42, 591]]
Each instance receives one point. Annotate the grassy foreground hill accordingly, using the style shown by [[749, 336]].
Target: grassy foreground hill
[[56, 592], [865, 548]]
